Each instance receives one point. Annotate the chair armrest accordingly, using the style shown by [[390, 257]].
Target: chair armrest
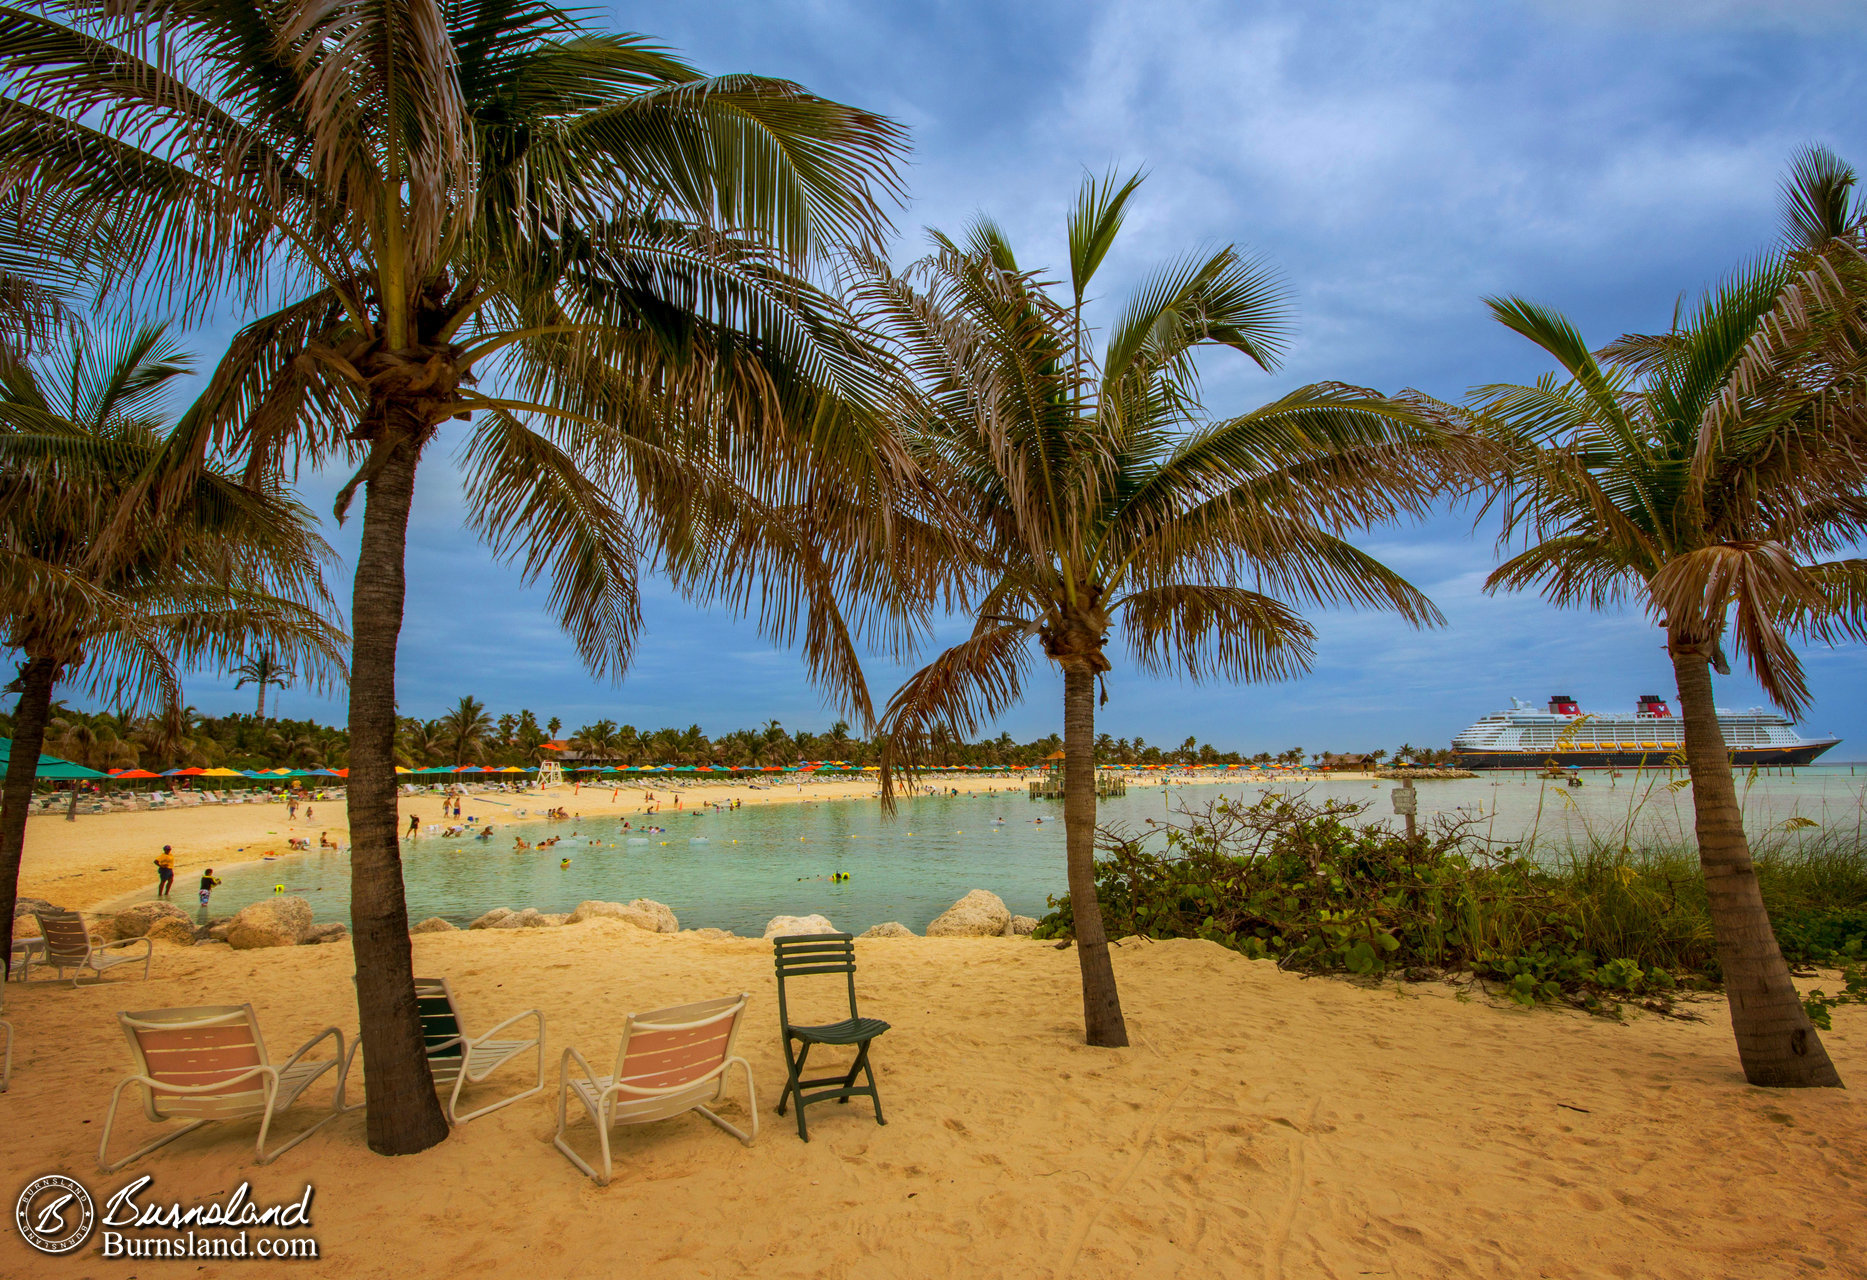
[[306, 1047], [148, 946], [484, 1036], [565, 1061]]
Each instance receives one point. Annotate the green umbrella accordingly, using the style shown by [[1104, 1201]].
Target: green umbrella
[[50, 767]]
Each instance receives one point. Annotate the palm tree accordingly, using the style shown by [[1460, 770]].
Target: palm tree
[[1709, 473], [1094, 490], [465, 729], [447, 193], [595, 741], [263, 670], [219, 568]]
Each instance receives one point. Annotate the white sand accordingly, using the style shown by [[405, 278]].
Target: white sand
[[1261, 1125]]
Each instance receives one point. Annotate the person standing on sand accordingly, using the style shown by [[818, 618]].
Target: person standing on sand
[[165, 872], [291, 806], [208, 881]]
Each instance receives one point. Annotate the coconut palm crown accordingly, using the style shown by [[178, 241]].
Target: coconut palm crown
[[1715, 475], [1094, 491]]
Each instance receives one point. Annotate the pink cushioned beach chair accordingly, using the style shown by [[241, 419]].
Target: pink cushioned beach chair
[[671, 1061], [68, 945], [209, 1063]]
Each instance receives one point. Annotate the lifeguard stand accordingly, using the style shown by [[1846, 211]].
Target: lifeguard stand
[[550, 774]]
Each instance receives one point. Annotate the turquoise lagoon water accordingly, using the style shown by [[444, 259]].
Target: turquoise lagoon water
[[736, 870]]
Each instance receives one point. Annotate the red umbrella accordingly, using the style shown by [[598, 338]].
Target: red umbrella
[[135, 773]]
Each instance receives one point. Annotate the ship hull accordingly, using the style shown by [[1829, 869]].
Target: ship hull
[[1742, 757]]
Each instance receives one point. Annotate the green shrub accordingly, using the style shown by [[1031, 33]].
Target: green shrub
[[1308, 885]]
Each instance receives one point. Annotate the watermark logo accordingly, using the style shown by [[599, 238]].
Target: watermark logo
[[55, 1214]]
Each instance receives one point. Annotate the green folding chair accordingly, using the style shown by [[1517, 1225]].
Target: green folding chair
[[801, 956]]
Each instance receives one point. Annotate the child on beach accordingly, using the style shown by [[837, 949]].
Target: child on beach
[[165, 872], [208, 881], [414, 826]]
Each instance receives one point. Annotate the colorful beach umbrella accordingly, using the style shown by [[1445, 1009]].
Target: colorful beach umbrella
[[134, 773]]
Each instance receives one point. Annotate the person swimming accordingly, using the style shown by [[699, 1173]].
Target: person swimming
[[520, 842], [564, 865]]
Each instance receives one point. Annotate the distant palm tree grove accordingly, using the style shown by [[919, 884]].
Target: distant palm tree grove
[[470, 735]]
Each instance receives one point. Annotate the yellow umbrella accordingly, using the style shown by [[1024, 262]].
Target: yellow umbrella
[[222, 773]]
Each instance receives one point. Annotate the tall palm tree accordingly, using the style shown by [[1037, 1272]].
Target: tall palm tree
[[1094, 489], [466, 727], [596, 741], [438, 196], [263, 669], [1711, 474], [221, 568]]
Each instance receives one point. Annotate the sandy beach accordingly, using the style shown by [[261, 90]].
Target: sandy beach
[[1261, 1124]]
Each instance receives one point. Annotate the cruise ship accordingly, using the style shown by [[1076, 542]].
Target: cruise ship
[[1565, 736]]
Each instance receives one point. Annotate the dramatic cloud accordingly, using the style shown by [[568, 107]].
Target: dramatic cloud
[[1396, 161]]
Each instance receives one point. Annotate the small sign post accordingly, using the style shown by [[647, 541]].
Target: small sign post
[[1407, 804]]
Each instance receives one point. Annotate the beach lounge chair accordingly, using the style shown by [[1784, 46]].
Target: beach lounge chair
[[802, 955], [68, 945], [671, 1061], [458, 1059], [209, 1063]]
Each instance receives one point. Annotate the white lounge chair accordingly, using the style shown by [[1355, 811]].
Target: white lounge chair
[[68, 945], [671, 1061], [209, 1063], [458, 1059]]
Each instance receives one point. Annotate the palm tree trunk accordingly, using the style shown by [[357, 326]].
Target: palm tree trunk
[[404, 1114], [1776, 1042], [261, 714], [36, 679], [1102, 1018]]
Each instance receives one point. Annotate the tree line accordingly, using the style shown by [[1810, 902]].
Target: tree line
[[469, 734]]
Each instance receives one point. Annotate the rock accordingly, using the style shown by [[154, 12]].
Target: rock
[[786, 926], [491, 919], [434, 924], [26, 906], [172, 929], [977, 915], [135, 921], [554, 917], [712, 935], [1021, 927], [643, 913], [330, 931], [276, 922], [218, 932], [891, 929], [529, 918]]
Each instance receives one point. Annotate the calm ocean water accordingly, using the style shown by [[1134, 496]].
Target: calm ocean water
[[737, 870]]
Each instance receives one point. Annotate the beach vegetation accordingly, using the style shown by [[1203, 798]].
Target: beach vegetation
[[1713, 474], [1318, 888], [1096, 490], [602, 260], [106, 590]]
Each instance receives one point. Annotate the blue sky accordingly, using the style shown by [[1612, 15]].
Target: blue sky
[[1396, 161]]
